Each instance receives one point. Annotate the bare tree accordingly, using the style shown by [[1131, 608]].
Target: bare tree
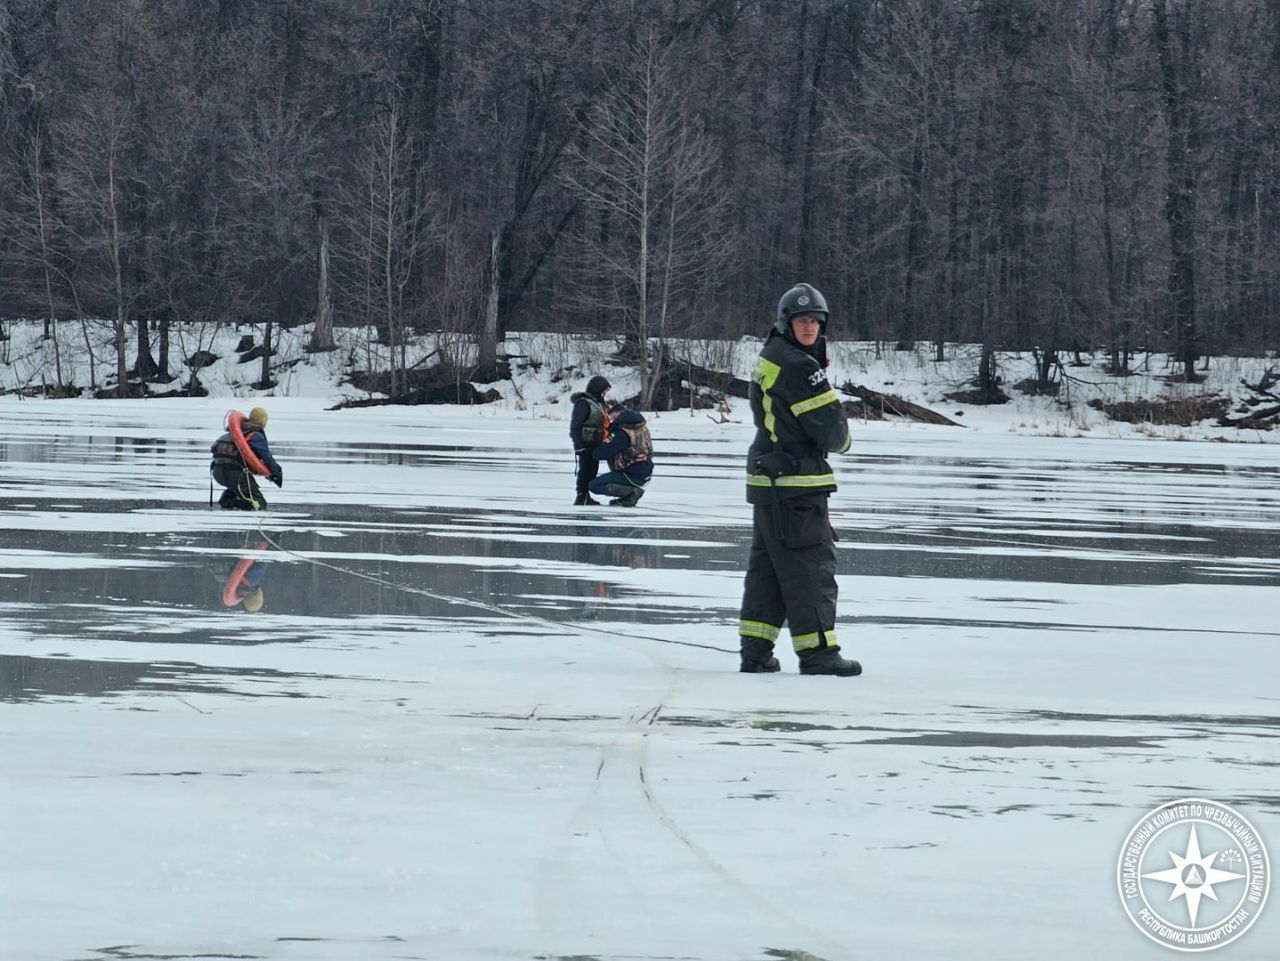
[[894, 130], [1106, 133], [1020, 173], [531, 106], [32, 225], [1178, 46], [274, 151], [91, 179], [646, 174], [386, 210], [322, 331], [10, 75]]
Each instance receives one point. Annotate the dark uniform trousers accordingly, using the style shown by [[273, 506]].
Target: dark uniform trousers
[[791, 573], [242, 490], [588, 470]]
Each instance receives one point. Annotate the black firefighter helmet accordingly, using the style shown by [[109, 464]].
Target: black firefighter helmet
[[800, 299]]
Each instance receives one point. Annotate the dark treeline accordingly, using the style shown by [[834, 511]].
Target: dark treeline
[[1027, 174]]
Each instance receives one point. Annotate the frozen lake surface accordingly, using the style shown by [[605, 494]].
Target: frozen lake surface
[[470, 721]]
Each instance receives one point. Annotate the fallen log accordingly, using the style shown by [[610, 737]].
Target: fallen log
[[1268, 380], [682, 384], [1263, 419], [1263, 386], [715, 379], [892, 404]]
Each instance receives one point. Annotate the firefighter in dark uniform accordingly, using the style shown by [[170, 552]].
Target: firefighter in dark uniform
[[791, 573]]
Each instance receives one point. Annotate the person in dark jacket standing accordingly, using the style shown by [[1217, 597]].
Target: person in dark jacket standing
[[629, 451], [588, 428], [229, 469], [791, 571]]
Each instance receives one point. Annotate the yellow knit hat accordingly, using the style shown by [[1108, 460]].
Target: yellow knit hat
[[254, 600], [258, 416]]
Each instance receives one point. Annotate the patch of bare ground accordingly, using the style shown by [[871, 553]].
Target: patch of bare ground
[[979, 398], [433, 385], [1182, 412], [1034, 388]]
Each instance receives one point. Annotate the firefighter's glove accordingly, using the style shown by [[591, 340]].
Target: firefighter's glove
[[774, 464], [277, 477]]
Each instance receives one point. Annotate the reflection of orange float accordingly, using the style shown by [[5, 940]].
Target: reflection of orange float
[[235, 425], [231, 595]]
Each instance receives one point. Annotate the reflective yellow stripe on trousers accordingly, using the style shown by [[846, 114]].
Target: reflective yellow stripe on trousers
[[793, 480], [759, 629]]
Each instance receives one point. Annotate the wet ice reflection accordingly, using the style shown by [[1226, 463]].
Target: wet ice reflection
[[80, 571]]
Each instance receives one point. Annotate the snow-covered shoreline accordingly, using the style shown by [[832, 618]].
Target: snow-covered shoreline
[[546, 368]]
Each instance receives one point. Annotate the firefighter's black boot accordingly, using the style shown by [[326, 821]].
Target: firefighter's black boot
[[585, 500], [757, 656], [827, 660]]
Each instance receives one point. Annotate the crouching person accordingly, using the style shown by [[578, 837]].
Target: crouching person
[[629, 450]]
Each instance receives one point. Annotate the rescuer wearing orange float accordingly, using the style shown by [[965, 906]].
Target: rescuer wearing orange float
[[240, 454]]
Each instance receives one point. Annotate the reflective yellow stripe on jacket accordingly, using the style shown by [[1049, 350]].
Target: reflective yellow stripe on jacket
[[766, 375], [814, 402]]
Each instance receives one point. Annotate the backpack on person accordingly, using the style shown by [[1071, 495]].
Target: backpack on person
[[639, 450]]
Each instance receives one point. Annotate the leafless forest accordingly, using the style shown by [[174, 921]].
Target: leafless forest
[[1090, 175]]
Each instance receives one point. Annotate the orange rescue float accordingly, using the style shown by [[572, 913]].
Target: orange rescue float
[[235, 425], [231, 589]]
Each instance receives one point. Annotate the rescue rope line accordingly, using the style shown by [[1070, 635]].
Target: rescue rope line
[[479, 605]]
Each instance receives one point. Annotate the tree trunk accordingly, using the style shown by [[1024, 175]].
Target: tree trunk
[[915, 234], [808, 191], [1046, 361], [388, 257], [987, 383], [488, 354], [642, 281], [264, 380], [117, 278], [780, 266], [144, 365], [1181, 187], [322, 333], [121, 343], [162, 360]]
